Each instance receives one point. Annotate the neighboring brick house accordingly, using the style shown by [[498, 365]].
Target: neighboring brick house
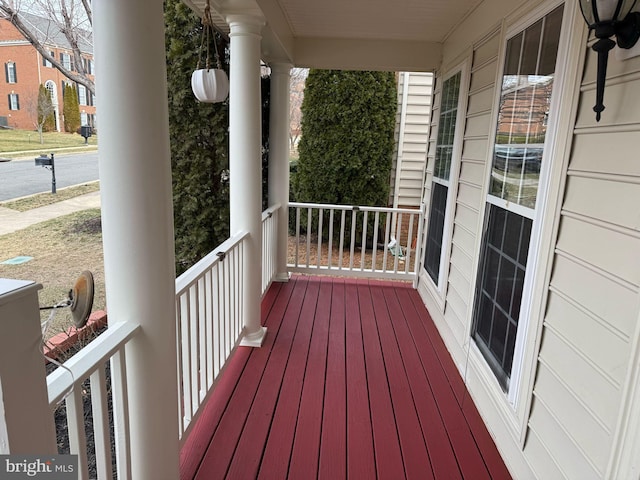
[[25, 70]]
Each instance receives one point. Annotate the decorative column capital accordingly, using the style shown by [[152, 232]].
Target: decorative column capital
[[245, 24], [280, 68]]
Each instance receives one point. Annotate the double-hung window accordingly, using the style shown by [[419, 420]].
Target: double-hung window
[[525, 100], [444, 157], [46, 62], [14, 101], [67, 61], [82, 95], [10, 72]]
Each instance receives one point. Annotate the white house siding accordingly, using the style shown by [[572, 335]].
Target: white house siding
[[589, 329], [412, 135]]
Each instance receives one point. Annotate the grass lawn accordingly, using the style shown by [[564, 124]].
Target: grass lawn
[[29, 140], [61, 249], [42, 199]]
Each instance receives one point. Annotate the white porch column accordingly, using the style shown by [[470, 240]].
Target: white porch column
[[245, 164], [279, 126], [137, 219]]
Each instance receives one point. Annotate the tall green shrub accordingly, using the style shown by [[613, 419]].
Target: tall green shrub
[[348, 121], [46, 121], [199, 144], [71, 109]]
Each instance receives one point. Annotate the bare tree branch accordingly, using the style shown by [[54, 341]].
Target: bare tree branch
[[87, 8], [68, 28]]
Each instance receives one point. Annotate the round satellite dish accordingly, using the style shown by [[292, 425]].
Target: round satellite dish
[[81, 297]]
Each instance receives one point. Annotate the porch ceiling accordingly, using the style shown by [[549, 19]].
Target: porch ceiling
[[351, 34]]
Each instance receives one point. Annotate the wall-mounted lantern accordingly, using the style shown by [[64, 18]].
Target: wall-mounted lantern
[[608, 18]]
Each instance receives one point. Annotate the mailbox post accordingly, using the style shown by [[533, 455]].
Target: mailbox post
[[49, 164]]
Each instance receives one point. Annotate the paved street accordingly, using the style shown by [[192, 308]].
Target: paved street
[[21, 177]]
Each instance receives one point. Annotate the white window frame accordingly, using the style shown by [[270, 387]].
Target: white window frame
[[82, 95], [12, 76], [14, 102], [515, 404], [65, 60], [439, 290], [47, 63]]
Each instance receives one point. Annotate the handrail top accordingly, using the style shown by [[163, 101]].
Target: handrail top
[[328, 206], [185, 280], [270, 211], [87, 360]]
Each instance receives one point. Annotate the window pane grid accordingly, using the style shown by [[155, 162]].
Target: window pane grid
[[500, 289], [517, 159], [447, 126], [525, 100], [435, 232], [442, 168]]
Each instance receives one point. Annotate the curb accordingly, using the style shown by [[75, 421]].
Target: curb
[[30, 154]]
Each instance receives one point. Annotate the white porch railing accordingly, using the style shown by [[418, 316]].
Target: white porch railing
[[68, 385], [208, 323], [354, 241], [270, 218]]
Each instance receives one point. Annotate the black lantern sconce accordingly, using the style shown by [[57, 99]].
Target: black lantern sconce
[[608, 18]]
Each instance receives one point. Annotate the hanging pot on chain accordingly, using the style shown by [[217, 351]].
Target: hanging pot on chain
[[209, 85]]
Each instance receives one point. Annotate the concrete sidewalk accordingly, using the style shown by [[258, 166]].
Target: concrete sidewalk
[[12, 220]]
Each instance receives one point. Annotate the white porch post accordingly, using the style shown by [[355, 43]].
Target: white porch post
[[137, 218], [279, 126], [245, 165], [26, 421]]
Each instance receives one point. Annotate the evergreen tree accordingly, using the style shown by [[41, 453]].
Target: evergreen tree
[[348, 121], [46, 121], [71, 109], [199, 143]]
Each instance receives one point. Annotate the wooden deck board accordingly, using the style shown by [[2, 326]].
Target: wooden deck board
[[333, 442], [275, 463], [385, 435], [443, 460], [414, 450], [353, 382], [306, 445], [360, 453]]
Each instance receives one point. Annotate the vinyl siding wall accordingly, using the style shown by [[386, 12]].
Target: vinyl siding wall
[[590, 326], [584, 356], [413, 124]]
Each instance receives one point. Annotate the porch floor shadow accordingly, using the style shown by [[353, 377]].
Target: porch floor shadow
[[353, 381]]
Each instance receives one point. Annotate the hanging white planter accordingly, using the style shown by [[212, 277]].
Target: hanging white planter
[[210, 85]]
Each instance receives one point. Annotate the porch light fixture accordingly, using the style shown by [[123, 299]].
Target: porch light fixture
[[608, 18]]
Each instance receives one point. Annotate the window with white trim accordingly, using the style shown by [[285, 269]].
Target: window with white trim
[[67, 61], [14, 101], [10, 72], [46, 62], [525, 99], [50, 86], [82, 95], [449, 107]]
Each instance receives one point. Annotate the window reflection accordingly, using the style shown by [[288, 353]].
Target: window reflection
[[525, 100]]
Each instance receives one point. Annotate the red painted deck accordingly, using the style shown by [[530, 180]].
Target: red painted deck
[[353, 382]]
